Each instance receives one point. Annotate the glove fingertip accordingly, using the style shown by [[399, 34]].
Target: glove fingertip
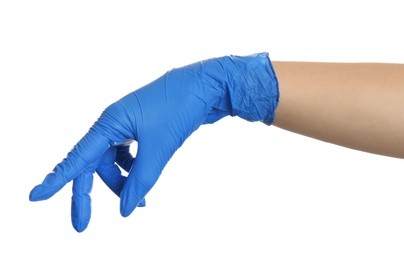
[[33, 195], [80, 226], [142, 203], [50, 185], [80, 213], [129, 204], [38, 194], [127, 209]]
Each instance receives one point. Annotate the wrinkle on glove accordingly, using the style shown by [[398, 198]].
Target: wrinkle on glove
[[160, 116]]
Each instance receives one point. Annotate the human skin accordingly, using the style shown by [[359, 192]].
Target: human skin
[[355, 105]]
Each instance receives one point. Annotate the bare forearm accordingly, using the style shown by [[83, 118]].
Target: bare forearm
[[356, 105]]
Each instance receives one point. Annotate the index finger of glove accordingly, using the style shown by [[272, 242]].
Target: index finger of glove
[[84, 153]]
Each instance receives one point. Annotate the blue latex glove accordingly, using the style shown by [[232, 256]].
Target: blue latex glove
[[160, 117]]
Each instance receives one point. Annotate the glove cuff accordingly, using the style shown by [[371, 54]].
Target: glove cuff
[[251, 87], [243, 86]]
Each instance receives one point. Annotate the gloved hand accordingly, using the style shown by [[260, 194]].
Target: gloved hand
[[160, 117]]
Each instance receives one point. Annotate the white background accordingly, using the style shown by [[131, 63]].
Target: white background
[[234, 189]]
